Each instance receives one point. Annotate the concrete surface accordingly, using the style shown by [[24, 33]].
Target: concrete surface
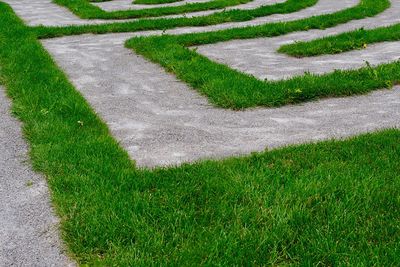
[[28, 228], [127, 4], [47, 13], [160, 121], [260, 58]]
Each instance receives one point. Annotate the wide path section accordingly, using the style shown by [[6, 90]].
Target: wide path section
[[159, 120]]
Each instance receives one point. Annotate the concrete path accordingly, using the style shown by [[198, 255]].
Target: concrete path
[[28, 229], [47, 13], [127, 4], [260, 58], [160, 121]]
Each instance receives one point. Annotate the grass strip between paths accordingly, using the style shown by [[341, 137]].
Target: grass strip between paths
[[99, 1], [288, 6], [358, 39], [229, 88], [86, 10], [153, 2], [332, 203]]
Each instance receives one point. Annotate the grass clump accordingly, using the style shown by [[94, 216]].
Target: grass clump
[[358, 39], [153, 2], [85, 10]]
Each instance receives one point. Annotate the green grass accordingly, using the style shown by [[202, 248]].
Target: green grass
[[99, 1], [85, 10], [335, 44], [331, 203], [164, 24], [229, 88], [153, 2]]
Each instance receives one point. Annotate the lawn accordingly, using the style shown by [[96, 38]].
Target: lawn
[[87, 10], [329, 203]]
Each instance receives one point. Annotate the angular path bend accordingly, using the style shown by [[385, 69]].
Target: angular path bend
[[161, 121]]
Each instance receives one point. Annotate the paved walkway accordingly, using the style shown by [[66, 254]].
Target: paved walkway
[[260, 58], [161, 121], [127, 4], [47, 13], [28, 229]]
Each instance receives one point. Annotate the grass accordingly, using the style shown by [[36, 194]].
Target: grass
[[286, 7], [229, 88], [153, 2], [335, 44], [99, 1], [85, 10], [331, 203]]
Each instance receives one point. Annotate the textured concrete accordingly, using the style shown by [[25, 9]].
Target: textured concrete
[[264, 62], [47, 13], [160, 121], [28, 229], [322, 7], [260, 58], [44, 12], [127, 4]]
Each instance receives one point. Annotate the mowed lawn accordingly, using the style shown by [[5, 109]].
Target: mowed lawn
[[330, 203]]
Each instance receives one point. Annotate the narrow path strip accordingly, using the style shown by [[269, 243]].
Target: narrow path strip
[[128, 4], [28, 228], [260, 58], [47, 13]]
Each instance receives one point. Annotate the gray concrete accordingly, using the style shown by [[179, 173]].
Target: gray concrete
[[160, 121], [263, 62], [127, 4], [47, 13], [322, 7], [260, 58], [28, 229]]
